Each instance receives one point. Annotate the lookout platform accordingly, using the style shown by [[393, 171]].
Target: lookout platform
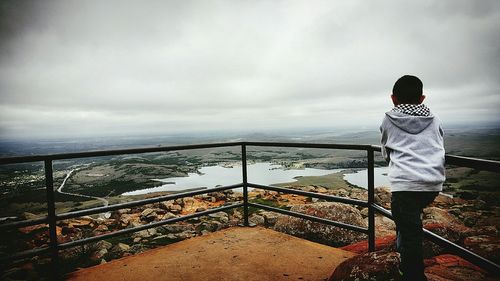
[[237, 253]]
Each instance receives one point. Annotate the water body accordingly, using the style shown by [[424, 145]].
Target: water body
[[209, 177], [360, 178], [261, 173]]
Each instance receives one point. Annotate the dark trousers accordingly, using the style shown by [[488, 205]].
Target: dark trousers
[[406, 210]]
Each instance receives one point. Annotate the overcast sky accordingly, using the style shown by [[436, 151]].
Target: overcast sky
[[80, 68]]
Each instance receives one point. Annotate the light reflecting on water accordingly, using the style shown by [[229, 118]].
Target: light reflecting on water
[[209, 177], [262, 173]]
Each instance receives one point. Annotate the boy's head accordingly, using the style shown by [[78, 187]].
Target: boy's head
[[407, 90]]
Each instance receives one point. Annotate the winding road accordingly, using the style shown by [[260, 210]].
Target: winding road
[[104, 201]]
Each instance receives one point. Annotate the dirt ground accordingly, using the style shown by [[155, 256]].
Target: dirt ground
[[238, 253]]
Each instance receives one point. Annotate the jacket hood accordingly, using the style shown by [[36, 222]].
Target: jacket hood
[[409, 123]]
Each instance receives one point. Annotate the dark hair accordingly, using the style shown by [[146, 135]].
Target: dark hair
[[408, 89]]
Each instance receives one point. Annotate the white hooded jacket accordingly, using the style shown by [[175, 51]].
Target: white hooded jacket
[[414, 147]]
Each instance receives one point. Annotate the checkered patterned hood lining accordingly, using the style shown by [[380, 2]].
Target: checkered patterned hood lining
[[413, 109]]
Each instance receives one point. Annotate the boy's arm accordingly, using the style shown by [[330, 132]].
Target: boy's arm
[[385, 151]]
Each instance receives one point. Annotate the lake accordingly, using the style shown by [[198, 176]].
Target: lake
[[261, 173]]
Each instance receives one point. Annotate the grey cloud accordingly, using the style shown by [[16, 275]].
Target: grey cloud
[[140, 66]]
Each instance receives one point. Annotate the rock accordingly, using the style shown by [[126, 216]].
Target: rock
[[469, 218], [383, 197], [149, 214], [201, 209], [320, 189], [141, 234], [98, 255], [104, 245], [28, 216], [175, 208], [443, 223], [270, 218], [127, 219], [169, 215], [101, 228], [368, 266], [152, 231], [134, 224], [210, 226], [138, 248], [485, 246], [188, 201], [122, 247], [184, 235], [164, 205], [123, 211], [364, 212], [175, 228], [219, 196], [442, 200], [221, 216], [237, 215], [81, 222], [360, 194], [452, 268], [490, 230], [322, 233], [179, 201], [384, 226], [386, 243], [256, 219]]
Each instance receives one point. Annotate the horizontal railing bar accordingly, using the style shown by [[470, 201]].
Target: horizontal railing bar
[[24, 254], [311, 218], [310, 145], [470, 162], [480, 164], [311, 194], [24, 223], [124, 205], [459, 250], [99, 153], [146, 226]]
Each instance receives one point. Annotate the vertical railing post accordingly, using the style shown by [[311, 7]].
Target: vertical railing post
[[51, 211], [371, 201], [245, 183]]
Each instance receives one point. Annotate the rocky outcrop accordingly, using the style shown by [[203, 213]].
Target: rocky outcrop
[[484, 245], [386, 243], [453, 268], [368, 266], [322, 233], [383, 197]]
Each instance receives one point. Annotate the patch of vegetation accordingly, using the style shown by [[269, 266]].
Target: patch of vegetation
[[330, 181], [270, 203]]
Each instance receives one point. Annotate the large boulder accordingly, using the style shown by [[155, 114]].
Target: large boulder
[[368, 266], [452, 268], [442, 223], [485, 246], [383, 196], [384, 226], [386, 243], [323, 233]]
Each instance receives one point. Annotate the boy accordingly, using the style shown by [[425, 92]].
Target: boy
[[412, 142]]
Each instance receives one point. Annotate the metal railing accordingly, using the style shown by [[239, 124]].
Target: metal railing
[[52, 218]]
